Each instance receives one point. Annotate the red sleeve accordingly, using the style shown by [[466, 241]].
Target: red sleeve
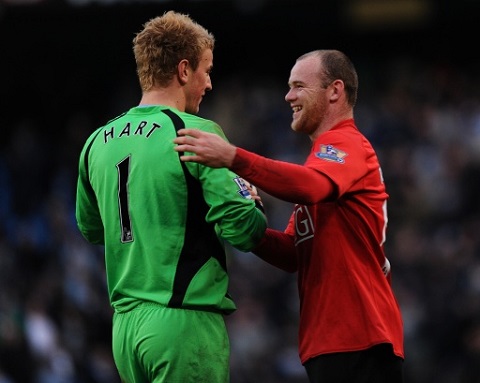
[[286, 181], [278, 249]]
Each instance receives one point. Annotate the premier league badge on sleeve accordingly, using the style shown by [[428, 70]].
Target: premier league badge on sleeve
[[329, 153], [243, 190]]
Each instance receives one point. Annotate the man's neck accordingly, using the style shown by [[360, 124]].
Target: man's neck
[[331, 121], [164, 96]]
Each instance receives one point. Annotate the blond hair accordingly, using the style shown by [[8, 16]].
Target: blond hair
[[163, 42]]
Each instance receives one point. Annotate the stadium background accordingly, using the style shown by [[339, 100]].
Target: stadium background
[[67, 66]]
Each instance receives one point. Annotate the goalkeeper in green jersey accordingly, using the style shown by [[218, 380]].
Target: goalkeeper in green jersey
[[164, 222]]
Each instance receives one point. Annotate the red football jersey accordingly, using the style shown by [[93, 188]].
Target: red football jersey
[[344, 280]]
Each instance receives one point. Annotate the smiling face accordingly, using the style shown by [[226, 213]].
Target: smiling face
[[199, 82], [307, 96]]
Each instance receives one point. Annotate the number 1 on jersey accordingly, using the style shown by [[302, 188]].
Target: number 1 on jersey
[[123, 169]]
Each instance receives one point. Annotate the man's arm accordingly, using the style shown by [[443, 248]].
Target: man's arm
[[277, 248], [286, 181], [87, 213]]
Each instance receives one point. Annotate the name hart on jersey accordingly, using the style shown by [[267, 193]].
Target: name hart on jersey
[[130, 130]]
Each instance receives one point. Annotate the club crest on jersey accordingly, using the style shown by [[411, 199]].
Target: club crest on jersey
[[243, 191], [330, 153]]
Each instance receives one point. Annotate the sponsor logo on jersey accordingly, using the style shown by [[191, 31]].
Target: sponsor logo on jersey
[[304, 228], [386, 267], [330, 153], [242, 188]]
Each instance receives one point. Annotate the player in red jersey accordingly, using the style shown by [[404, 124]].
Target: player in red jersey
[[351, 328]]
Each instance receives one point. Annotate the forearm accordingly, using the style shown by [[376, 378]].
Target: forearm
[[277, 249], [289, 182]]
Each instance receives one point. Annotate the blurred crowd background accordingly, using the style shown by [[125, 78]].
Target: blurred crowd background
[[66, 67]]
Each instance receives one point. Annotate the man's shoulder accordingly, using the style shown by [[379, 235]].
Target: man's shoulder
[[193, 118]]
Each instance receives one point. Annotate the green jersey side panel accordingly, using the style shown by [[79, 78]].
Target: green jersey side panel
[[162, 221]]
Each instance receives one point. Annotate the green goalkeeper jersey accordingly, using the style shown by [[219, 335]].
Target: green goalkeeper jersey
[[162, 221]]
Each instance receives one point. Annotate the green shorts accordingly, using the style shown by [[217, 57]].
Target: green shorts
[[156, 344]]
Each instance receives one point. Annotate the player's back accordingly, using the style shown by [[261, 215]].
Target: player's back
[[158, 246]]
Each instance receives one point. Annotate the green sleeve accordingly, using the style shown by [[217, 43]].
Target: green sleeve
[[87, 212], [231, 207], [238, 221]]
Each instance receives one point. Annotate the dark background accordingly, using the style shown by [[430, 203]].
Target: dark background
[[67, 66], [56, 53]]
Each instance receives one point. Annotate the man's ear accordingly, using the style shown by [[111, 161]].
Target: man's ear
[[338, 87], [183, 71]]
